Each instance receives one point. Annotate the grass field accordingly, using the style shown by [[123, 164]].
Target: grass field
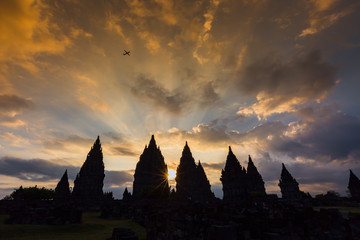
[[92, 228]]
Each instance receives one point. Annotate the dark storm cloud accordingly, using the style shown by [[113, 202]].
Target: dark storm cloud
[[43, 170], [34, 169], [14, 103], [328, 135], [322, 134], [275, 82], [305, 75]]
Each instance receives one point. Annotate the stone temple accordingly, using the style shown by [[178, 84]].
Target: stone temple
[[89, 182], [151, 174], [289, 186], [191, 180]]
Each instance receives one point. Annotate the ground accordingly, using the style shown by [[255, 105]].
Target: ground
[[92, 228]]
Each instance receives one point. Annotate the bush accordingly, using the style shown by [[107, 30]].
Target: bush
[[33, 193]]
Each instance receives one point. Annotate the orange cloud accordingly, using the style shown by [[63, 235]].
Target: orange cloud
[[14, 140], [323, 15], [26, 30], [13, 123]]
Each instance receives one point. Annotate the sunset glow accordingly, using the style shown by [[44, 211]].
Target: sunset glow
[[172, 173]]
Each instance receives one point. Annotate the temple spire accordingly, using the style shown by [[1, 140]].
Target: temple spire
[[289, 186], [255, 183], [89, 182], [152, 142], [62, 190], [233, 178], [191, 180], [150, 178]]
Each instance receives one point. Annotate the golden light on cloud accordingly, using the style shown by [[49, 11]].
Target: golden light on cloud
[[26, 30]]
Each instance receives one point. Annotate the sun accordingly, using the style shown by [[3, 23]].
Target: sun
[[171, 173]]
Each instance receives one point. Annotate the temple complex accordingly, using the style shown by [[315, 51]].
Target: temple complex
[[191, 180], [289, 186], [89, 182], [151, 174], [354, 186]]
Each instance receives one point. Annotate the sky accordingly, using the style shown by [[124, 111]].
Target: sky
[[277, 80]]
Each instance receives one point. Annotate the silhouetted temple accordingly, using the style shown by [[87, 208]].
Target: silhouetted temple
[[151, 174], [233, 178], [62, 190], [289, 186], [89, 182], [255, 183], [354, 186], [191, 180]]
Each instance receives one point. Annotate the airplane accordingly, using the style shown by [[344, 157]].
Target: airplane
[[126, 52]]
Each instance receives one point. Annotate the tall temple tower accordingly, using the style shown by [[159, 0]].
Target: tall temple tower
[[151, 174], [354, 186], [289, 186], [255, 183], [233, 178], [89, 182], [191, 180]]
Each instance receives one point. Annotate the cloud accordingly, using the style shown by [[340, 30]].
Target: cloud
[[63, 142], [124, 151], [214, 166], [326, 13], [43, 170], [118, 178], [282, 86], [321, 134], [28, 29], [95, 104], [115, 136], [149, 90], [325, 135], [313, 177], [11, 105], [208, 96], [34, 169], [15, 140], [203, 135]]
